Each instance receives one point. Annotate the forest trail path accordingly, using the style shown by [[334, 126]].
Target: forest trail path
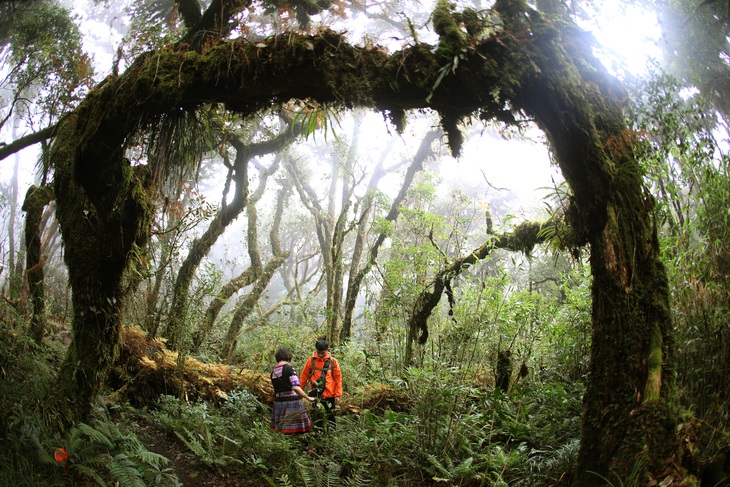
[[184, 463]]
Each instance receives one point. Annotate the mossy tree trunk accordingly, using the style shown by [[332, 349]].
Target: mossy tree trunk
[[175, 330], [626, 420], [100, 229], [542, 68], [36, 199], [246, 305], [258, 270], [228, 213]]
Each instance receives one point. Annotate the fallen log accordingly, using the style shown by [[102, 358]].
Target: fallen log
[[145, 369]]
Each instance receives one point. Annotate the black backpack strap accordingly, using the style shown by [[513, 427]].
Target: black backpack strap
[[325, 368]]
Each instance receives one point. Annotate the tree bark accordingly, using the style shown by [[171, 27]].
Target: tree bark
[[27, 140], [100, 231], [503, 375], [331, 231], [522, 239], [227, 214], [36, 199], [626, 419]]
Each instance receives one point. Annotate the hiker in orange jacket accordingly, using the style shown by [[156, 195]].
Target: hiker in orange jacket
[[322, 378]]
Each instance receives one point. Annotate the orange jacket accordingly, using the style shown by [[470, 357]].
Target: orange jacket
[[333, 381]]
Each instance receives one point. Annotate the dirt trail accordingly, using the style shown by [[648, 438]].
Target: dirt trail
[[184, 464]]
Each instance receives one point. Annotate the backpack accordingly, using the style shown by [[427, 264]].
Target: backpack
[[319, 384]]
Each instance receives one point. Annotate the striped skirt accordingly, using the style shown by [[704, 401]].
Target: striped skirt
[[290, 417]]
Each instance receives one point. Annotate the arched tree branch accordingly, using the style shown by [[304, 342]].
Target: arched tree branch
[[27, 140], [522, 239]]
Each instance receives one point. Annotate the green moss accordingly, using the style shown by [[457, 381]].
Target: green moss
[[652, 391], [451, 38]]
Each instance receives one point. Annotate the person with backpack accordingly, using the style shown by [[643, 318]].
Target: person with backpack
[[323, 376]]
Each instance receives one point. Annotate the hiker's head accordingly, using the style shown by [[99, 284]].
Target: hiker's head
[[322, 346], [282, 354]]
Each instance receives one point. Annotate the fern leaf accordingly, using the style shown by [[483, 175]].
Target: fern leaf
[[87, 472], [152, 458], [95, 435]]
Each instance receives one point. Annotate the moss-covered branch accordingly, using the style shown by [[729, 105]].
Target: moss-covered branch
[[26, 141], [532, 64], [522, 239]]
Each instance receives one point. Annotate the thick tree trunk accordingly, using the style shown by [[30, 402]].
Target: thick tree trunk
[[99, 233], [36, 199], [626, 419], [630, 380]]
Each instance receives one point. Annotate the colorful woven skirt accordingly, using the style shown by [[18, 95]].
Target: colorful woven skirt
[[290, 417]]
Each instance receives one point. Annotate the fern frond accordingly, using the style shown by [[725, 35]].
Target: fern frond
[[357, 480], [87, 472], [283, 481], [192, 442], [152, 458], [333, 475], [95, 435], [125, 472]]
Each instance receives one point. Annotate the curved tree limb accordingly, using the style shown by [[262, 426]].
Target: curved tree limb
[[542, 68], [27, 140], [246, 305], [522, 239], [223, 218]]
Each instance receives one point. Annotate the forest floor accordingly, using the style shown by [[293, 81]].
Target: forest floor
[[183, 463]]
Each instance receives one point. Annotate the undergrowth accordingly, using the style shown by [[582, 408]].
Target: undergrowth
[[440, 427], [458, 434]]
